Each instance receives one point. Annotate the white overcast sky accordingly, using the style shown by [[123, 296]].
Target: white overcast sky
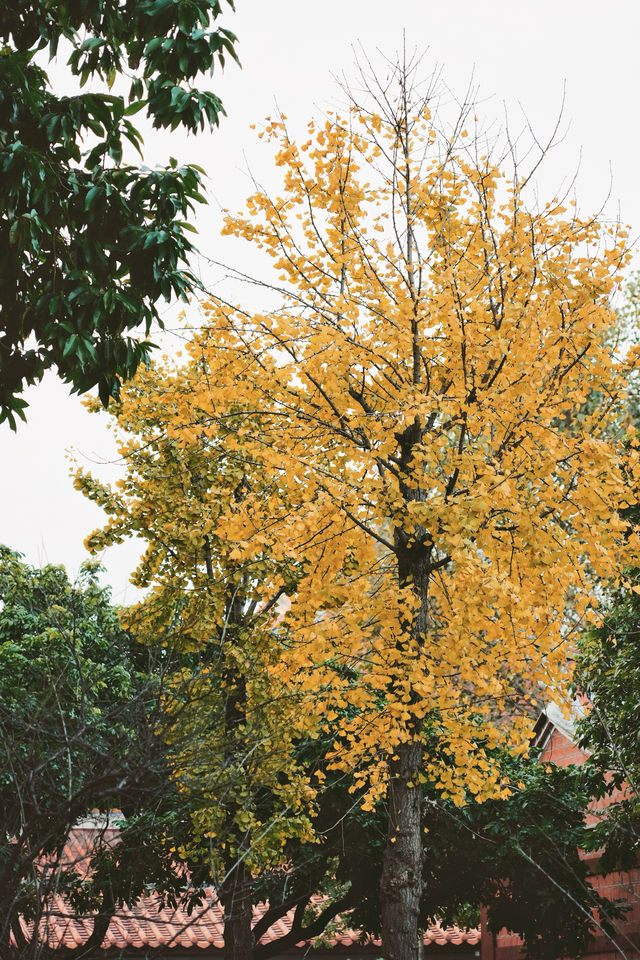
[[522, 55]]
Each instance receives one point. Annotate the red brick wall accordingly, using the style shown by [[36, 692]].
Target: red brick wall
[[620, 885], [562, 751]]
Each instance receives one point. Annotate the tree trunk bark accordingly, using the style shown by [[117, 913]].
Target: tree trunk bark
[[237, 888], [401, 884], [236, 900]]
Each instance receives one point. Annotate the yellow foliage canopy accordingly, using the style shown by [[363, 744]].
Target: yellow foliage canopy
[[441, 390], [426, 423]]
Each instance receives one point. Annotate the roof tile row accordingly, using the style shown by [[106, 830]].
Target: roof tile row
[[149, 924]]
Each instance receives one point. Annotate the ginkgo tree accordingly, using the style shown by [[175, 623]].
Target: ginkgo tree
[[421, 388]]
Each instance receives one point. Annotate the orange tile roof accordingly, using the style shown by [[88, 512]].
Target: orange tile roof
[[150, 925]]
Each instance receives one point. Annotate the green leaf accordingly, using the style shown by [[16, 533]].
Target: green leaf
[[70, 345], [91, 196], [135, 107]]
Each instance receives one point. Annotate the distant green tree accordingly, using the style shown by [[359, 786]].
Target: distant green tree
[[91, 243], [78, 734], [521, 857]]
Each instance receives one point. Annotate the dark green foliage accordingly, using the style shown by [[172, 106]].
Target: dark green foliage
[[67, 677], [608, 672], [90, 244], [520, 857], [342, 866], [78, 734]]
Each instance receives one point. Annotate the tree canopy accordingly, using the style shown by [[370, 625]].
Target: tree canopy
[[91, 241], [233, 726], [76, 739]]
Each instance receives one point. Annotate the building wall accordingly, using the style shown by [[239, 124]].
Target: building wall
[[562, 751]]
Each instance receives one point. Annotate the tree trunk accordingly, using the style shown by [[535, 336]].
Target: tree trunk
[[401, 884], [236, 900], [237, 889]]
